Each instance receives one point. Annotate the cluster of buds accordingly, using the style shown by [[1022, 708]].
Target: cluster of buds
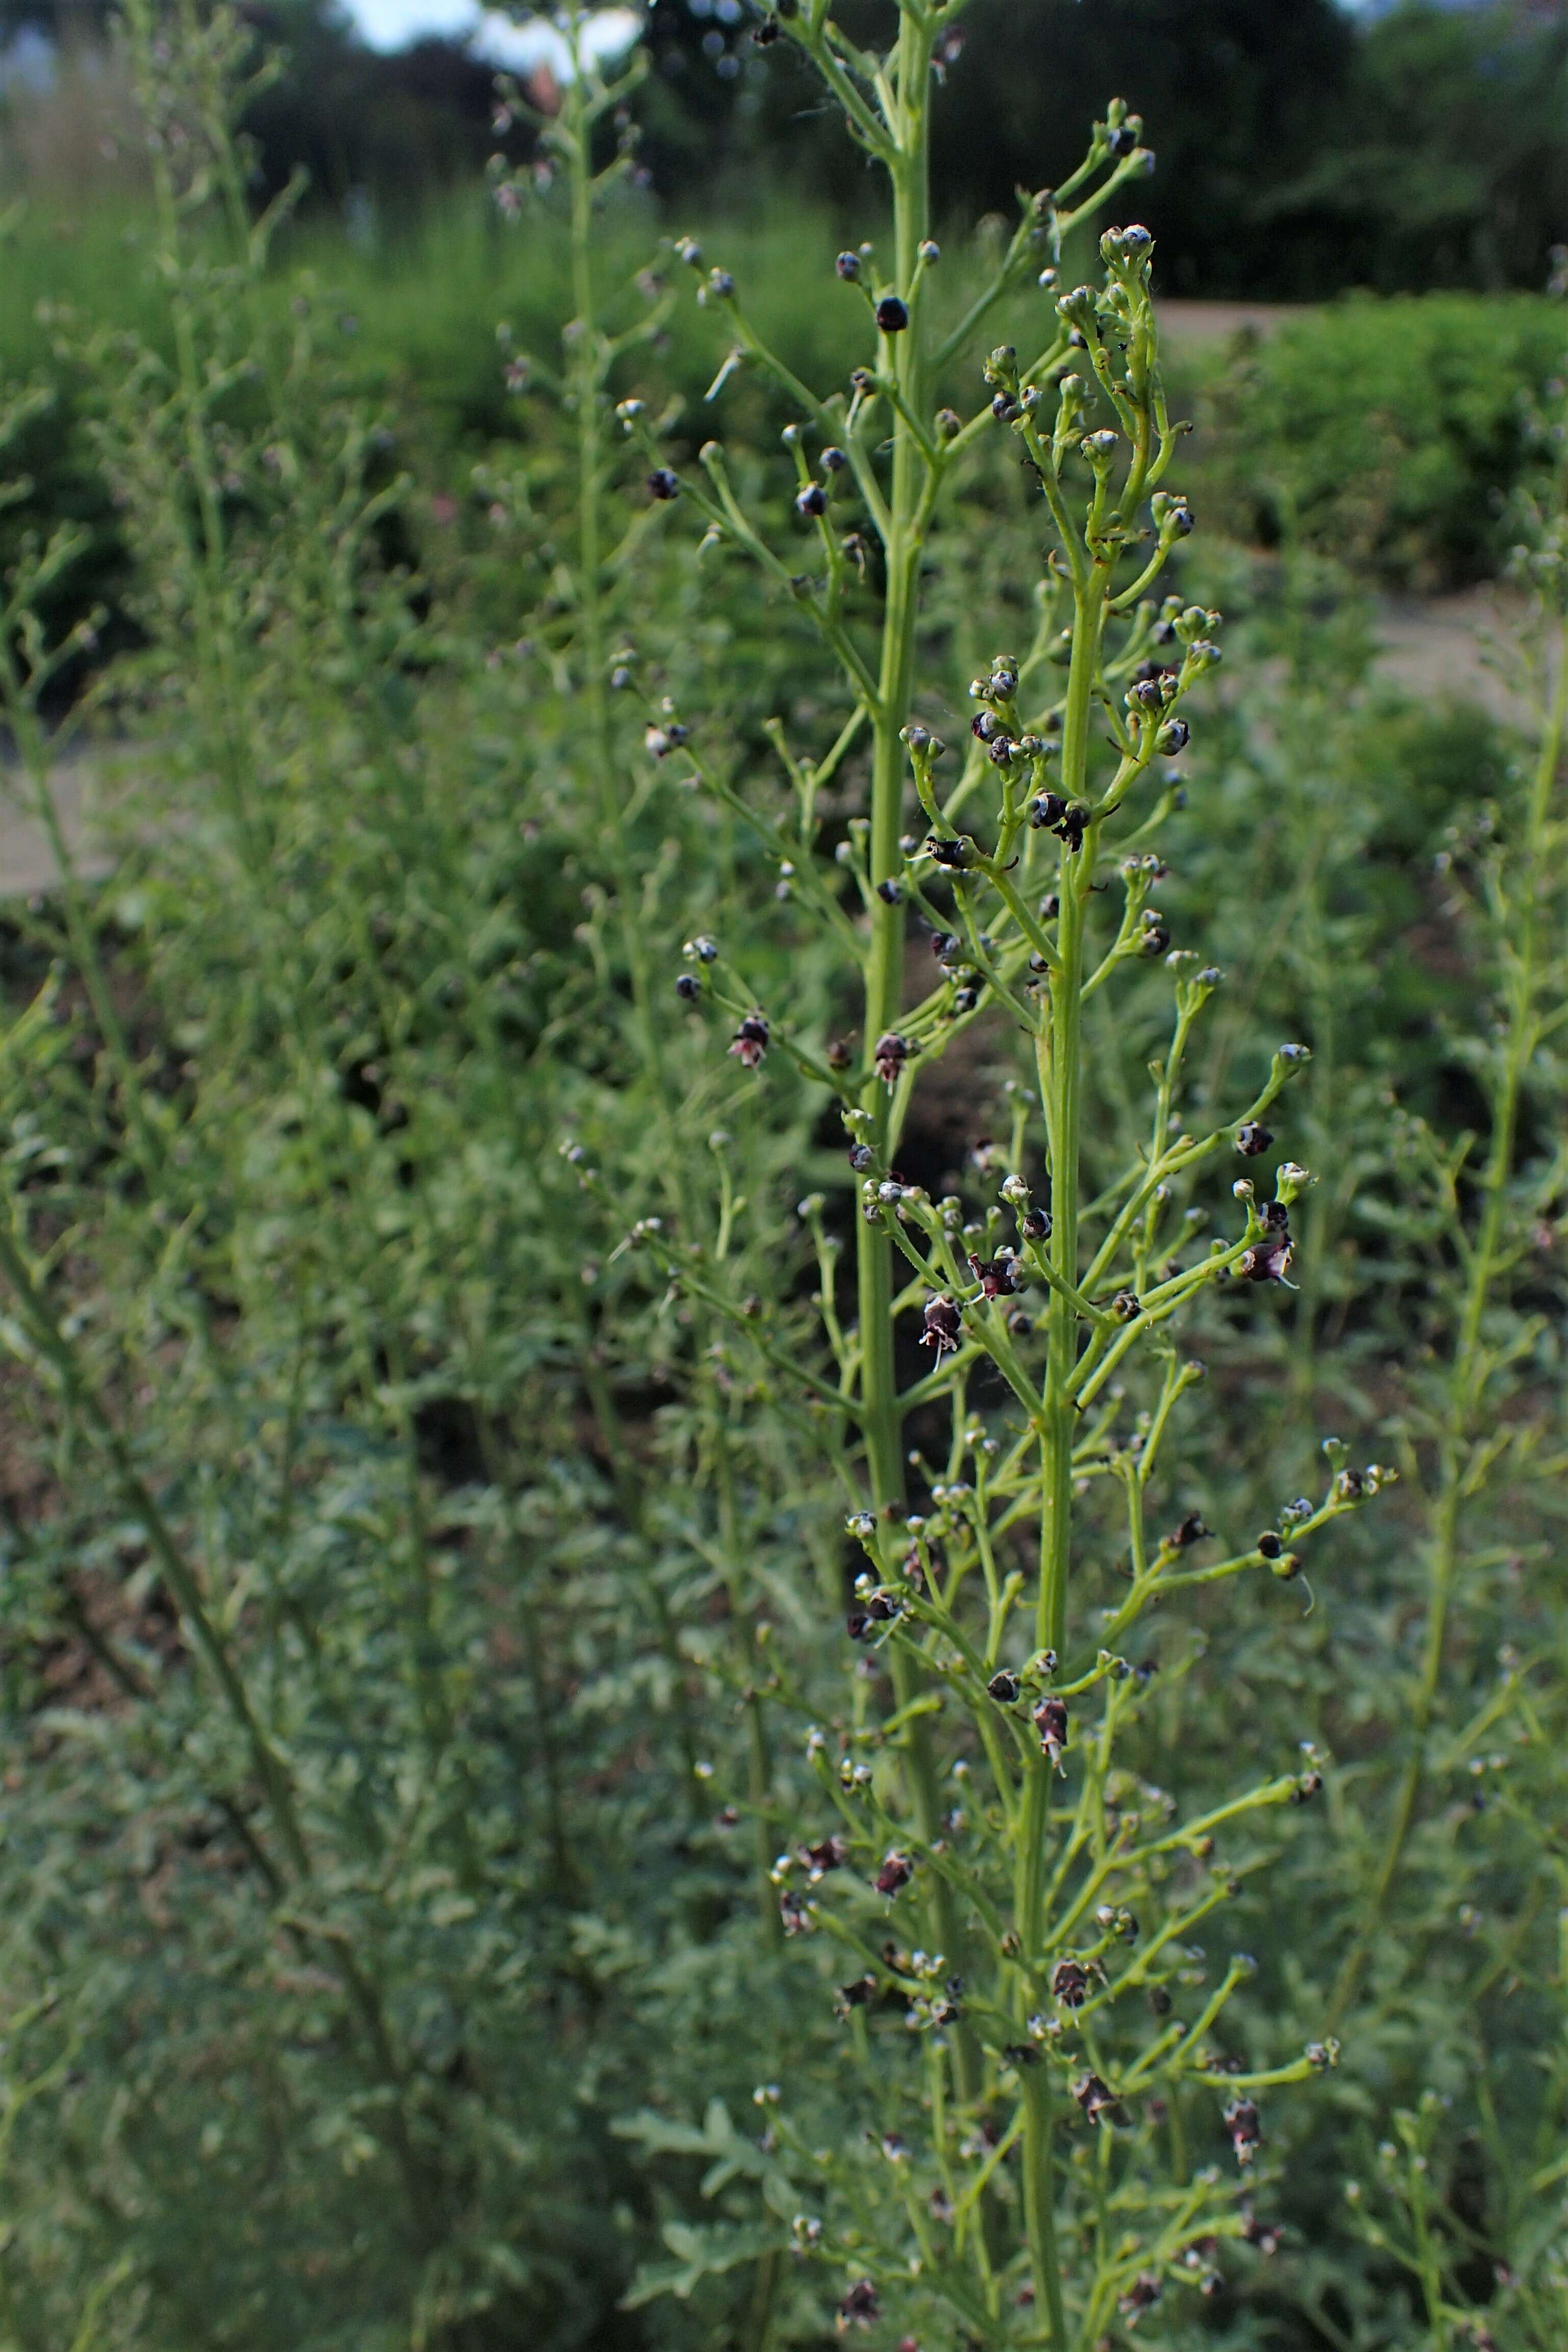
[[1000, 1276], [1049, 813]]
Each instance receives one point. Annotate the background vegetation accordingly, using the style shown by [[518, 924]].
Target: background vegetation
[[412, 1610]]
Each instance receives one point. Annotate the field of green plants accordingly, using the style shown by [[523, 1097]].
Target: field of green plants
[[783, 1280]]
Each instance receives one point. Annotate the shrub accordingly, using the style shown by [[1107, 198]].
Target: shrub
[[1385, 435]]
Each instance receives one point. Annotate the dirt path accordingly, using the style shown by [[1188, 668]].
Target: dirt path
[[26, 861], [1215, 322]]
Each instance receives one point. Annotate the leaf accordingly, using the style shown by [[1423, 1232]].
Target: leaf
[[700, 2253]]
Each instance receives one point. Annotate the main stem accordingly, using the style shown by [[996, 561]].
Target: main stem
[[1060, 1054], [907, 505]]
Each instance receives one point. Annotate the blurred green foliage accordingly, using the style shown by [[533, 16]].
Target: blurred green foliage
[[489, 1523], [1386, 434]]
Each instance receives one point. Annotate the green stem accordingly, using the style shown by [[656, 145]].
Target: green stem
[[1059, 1053], [907, 507], [1040, 2204]]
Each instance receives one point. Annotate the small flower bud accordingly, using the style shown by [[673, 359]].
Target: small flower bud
[[1174, 737], [848, 267], [892, 315], [834, 460], [1252, 1138], [812, 499], [688, 985], [1004, 1688], [662, 484]]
